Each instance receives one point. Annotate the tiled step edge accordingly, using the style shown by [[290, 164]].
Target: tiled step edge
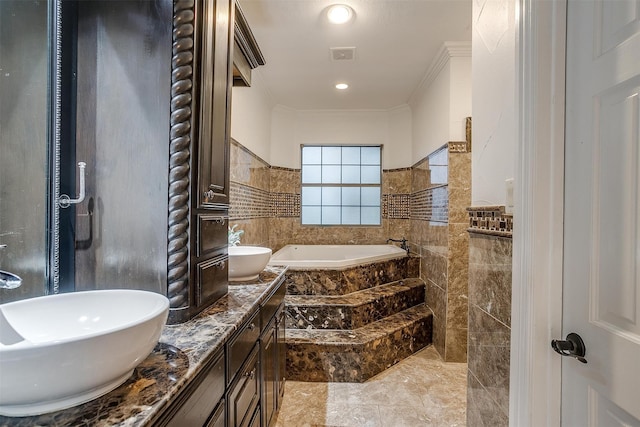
[[355, 356], [353, 279], [353, 310]]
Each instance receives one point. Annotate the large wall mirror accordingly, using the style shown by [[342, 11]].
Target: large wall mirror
[[90, 82], [24, 144]]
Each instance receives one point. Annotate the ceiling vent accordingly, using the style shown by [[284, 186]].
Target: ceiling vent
[[343, 53]]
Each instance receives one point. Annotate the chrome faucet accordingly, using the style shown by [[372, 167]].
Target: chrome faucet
[[9, 280]]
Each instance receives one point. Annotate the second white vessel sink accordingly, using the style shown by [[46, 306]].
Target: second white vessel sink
[[59, 351], [246, 262]]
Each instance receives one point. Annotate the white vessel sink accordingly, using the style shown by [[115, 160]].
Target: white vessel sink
[[59, 351], [246, 262]]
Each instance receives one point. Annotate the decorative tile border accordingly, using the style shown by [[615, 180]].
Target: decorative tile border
[[431, 204], [397, 169], [281, 168], [462, 146], [285, 205], [458, 147], [490, 220], [252, 203], [396, 206], [248, 202]]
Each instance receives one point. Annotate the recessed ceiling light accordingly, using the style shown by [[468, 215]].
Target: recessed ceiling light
[[342, 86], [339, 14]]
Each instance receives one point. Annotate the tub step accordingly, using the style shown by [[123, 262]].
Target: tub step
[[355, 309], [353, 279], [359, 354]]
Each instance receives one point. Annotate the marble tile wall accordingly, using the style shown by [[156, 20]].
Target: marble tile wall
[[425, 203], [250, 199], [265, 203], [490, 263], [441, 192]]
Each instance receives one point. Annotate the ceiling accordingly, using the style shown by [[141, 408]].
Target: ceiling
[[395, 42]]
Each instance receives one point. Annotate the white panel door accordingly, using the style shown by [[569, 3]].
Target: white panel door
[[601, 289]]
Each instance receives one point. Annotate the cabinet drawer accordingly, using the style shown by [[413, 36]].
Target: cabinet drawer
[[198, 407], [240, 346], [270, 306], [212, 280], [212, 232], [244, 395]]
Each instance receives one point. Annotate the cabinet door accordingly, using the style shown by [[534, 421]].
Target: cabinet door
[[215, 102], [244, 395], [269, 372]]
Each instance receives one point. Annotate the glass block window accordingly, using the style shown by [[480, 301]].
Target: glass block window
[[341, 185]]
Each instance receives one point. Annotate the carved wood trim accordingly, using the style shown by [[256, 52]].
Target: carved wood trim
[[180, 153]]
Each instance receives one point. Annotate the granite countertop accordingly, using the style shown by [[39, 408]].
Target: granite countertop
[[178, 357]]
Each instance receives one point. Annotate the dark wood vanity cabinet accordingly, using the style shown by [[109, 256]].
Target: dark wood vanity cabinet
[[216, 80], [241, 385], [273, 354], [202, 401], [243, 397], [198, 259]]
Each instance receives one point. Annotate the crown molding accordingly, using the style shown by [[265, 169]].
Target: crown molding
[[447, 51]]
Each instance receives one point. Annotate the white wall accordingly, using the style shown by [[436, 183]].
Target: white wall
[[494, 100], [430, 107], [461, 97], [442, 101], [251, 116], [292, 128]]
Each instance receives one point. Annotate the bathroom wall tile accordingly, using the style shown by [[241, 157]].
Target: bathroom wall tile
[[488, 359], [457, 276], [460, 171], [436, 300], [456, 345], [280, 231], [260, 177], [240, 164], [420, 176], [459, 199], [247, 168], [397, 229], [436, 236], [256, 231], [482, 411], [457, 310], [490, 275], [284, 180], [434, 268], [493, 250], [396, 181]]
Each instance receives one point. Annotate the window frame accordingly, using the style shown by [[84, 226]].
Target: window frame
[[341, 185]]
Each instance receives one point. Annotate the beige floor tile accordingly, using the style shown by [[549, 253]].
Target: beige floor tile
[[421, 390]]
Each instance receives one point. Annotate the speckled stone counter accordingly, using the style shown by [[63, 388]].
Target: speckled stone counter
[[174, 362]]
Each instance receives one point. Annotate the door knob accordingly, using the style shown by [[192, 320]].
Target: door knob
[[573, 346]]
